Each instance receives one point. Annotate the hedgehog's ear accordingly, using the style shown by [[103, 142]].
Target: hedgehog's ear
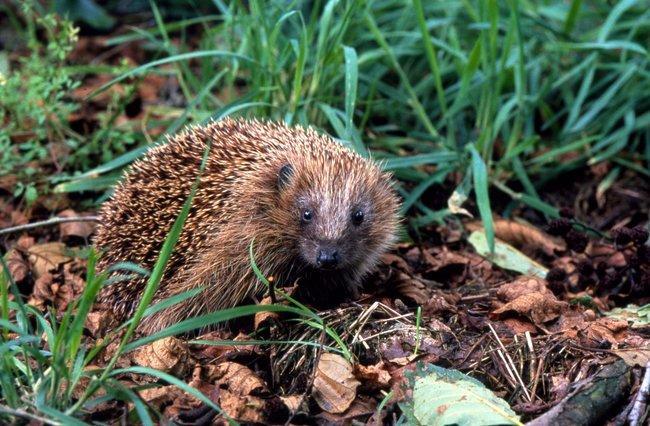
[[284, 175]]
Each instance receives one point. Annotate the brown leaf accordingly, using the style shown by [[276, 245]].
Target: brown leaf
[[18, 267], [98, 322], [244, 408], [438, 303], [238, 378], [42, 291], [634, 357], [24, 242], [8, 182], [47, 289], [523, 235], [518, 326], [605, 329], [576, 326], [376, 376], [292, 402], [169, 355], [46, 257], [452, 267], [18, 218], [334, 384], [521, 286], [75, 229], [160, 396], [361, 406], [265, 316], [210, 353], [239, 390], [409, 287], [538, 307]]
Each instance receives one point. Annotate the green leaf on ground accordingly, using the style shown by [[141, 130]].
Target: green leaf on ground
[[446, 397], [639, 316], [506, 256]]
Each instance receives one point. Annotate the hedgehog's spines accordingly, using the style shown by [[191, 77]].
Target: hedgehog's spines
[[237, 199]]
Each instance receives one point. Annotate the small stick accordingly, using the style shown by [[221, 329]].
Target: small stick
[[25, 415], [513, 379], [312, 379], [521, 382], [48, 222], [641, 400]]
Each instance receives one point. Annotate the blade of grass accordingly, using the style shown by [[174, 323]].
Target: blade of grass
[[176, 382], [351, 81], [480, 176], [171, 59], [415, 102]]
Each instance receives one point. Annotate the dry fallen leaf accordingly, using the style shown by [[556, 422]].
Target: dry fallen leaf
[[605, 329], [376, 376], [239, 390], [292, 402], [634, 357], [264, 316], [518, 326], [334, 385], [361, 407], [578, 327], [25, 242], [159, 396], [523, 235], [409, 287], [538, 307], [244, 408], [46, 289], [75, 229], [521, 286], [18, 268], [236, 377], [169, 355], [46, 257]]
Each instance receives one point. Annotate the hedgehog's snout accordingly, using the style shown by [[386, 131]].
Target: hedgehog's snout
[[328, 257]]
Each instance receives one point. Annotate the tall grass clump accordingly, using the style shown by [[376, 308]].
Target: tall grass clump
[[510, 94]]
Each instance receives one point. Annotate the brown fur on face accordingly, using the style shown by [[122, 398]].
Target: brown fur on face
[[259, 180]]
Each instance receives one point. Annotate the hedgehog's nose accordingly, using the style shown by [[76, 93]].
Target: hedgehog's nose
[[328, 258]]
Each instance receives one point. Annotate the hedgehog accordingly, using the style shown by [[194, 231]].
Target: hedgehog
[[317, 214]]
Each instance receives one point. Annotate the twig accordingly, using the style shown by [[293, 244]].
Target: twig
[[471, 350], [514, 368], [25, 415], [48, 222], [638, 412], [310, 385], [513, 379]]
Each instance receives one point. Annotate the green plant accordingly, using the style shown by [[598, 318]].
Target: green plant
[[443, 396], [37, 103], [497, 90], [34, 102]]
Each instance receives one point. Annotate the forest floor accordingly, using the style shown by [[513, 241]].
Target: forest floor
[[535, 342]]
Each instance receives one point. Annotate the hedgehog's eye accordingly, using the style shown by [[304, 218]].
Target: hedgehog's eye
[[357, 217], [307, 216]]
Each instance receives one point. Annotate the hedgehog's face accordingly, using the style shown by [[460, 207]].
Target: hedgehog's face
[[340, 217]]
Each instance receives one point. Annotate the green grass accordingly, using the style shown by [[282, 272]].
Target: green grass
[[417, 83]]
